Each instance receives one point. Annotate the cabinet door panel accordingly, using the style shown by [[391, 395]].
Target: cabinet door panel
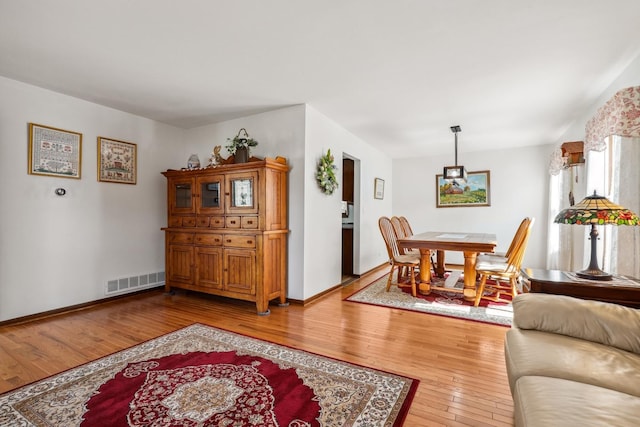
[[181, 263], [210, 194], [240, 270], [209, 267], [241, 193], [181, 196]]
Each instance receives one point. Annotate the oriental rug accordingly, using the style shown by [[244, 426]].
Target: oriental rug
[[204, 376], [450, 304]]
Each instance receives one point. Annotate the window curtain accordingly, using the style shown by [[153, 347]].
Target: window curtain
[[612, 152], [624, 241], [564, 250]]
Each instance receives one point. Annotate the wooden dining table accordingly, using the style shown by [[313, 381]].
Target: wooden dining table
[[470, 244]]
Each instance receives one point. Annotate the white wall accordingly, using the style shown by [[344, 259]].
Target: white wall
[[302, 134], [519, 183], [323, 230], [60, 251], [629, 77], [279, 133]]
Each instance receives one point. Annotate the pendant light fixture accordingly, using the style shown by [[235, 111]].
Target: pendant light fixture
[[455, 173]]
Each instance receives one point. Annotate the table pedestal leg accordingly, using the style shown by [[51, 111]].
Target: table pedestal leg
[[425, 271], [440, 267], [470, 276]]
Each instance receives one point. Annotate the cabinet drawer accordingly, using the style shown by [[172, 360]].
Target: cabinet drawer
[[217, 222], [189, 221], [240, 241], [250, 222], [208, 239], [203, 222], [233, 222], [175, 221], [185, 238]]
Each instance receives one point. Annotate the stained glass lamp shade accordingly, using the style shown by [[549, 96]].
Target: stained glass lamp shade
[[596, 210]]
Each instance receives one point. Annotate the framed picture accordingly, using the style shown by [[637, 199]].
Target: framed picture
[[475, 191], [54, 152], [378, 188], [117, 161]]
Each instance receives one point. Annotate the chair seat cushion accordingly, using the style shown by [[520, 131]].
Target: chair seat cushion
[[491, 266], [490, 258], [408, 259]]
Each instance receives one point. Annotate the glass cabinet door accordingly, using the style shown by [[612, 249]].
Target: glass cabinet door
[[243, 197], [211, 192], [181, 196], [242, 193]]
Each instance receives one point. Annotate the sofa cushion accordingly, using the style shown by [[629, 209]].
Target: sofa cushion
[[529, 352], [604, 323], [544, 401]]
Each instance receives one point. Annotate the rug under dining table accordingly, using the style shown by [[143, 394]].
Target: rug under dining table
[[438, 302]]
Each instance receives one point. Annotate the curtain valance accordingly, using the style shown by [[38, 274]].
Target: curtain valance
[[618, 116]]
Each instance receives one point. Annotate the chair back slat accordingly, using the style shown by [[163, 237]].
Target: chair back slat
[[397, 227], [515, 258], [517, 237], [408, 231], [389, 236]]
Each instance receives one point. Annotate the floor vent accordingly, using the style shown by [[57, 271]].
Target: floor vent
[[134, 283]]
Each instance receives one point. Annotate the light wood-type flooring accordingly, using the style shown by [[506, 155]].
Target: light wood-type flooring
[[460, 363]]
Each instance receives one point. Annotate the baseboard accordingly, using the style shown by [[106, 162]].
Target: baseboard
[[76, 307]]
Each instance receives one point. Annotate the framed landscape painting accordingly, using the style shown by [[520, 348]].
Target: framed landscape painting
[[475, 191]]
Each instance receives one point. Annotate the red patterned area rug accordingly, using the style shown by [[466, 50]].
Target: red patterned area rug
[[450, 304], [204, 376]]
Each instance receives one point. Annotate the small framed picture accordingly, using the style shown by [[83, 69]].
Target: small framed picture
[[475, 191], [378, 188], [117, 161], [54, 152]]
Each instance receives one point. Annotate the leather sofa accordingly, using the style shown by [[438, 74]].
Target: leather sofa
[[573, 362]]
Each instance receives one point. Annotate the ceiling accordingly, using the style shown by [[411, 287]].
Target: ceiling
[[396, 74]]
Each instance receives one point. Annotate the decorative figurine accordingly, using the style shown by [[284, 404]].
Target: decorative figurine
[[216, 159]]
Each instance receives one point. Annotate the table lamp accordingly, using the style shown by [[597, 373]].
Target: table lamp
[[595, 210]]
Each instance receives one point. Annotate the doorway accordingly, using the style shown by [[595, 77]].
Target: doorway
[[350, 218]]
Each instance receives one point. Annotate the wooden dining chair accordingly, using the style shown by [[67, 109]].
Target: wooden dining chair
[[408, 232], [505, 273], [396, 259], [403, 231], [502, 256]]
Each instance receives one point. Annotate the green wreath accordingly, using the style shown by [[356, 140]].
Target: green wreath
[[325, 175]]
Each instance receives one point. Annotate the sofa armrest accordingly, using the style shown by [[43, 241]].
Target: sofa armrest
[[600, 322]]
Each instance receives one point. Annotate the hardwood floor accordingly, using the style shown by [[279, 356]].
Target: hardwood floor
[[460, 364]]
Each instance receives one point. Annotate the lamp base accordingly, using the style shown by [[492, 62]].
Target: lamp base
[[594, 274]]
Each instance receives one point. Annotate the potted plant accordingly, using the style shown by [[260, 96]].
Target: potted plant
[[239, 146]]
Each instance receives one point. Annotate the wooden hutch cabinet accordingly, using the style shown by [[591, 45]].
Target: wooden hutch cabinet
[[227, 231]]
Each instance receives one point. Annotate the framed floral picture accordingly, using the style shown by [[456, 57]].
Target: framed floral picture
[[117, 161], [475, 191], [54, 152]]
